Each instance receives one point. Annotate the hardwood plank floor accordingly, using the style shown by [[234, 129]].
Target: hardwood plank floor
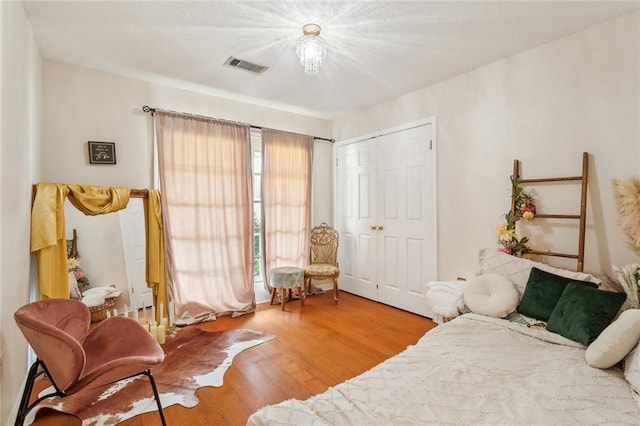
[[316, 347]]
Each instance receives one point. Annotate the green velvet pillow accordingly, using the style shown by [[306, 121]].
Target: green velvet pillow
[[542, 292], [583, 312]]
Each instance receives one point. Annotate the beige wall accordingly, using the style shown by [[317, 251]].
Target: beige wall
[[545, 107], [83, 105], [19, 130]]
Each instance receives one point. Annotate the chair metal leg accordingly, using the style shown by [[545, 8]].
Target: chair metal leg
[[24, 407], [155, 394], [26, 394], [335, 290]]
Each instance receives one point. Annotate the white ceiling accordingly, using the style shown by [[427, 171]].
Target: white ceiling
[[376, 49]]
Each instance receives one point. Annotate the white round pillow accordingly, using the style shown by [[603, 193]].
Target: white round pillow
[[616, 341], [492, 295]]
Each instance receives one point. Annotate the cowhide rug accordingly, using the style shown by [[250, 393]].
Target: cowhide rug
[[194, 358]]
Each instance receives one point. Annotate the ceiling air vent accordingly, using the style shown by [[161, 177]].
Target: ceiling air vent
[[246, 65]]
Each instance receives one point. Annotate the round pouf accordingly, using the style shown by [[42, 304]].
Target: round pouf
[[287, 277]]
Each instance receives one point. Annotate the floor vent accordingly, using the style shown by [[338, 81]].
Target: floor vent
[[245, 65]]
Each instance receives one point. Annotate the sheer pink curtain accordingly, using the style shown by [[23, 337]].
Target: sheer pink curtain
[[205, 177], [286, 198]]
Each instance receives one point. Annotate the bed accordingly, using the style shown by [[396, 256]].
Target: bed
[[479, 369]]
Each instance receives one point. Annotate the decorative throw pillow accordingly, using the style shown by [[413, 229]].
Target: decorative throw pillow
[[583, 312], [491, 294], [542, 292], [632, 368], [517, 269], [615, 342]]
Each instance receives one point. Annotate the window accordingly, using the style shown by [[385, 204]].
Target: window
[[258, 276], [256, 150], [256, 156]]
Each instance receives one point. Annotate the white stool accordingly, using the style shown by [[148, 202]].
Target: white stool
[[286, 278]]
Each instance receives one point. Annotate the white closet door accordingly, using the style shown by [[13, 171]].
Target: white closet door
[[406, 248], [356, 214], [388, 182]]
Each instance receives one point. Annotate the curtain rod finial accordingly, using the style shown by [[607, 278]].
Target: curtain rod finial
[[146, 108]]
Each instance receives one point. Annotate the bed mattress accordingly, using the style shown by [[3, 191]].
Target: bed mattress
[[473, 370]]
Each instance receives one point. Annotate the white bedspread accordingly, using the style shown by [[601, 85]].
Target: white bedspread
[[473, 370]]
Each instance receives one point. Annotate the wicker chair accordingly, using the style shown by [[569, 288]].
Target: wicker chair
[[323, 257]]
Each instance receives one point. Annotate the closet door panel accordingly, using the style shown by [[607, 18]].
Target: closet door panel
[[415, 256], [355, 217], [348, 247], [405, 163], [414, 186]]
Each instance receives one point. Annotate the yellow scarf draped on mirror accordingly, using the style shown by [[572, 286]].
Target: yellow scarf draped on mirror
[[48, 237]]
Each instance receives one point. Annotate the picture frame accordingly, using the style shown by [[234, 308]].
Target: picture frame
[[102, 152]]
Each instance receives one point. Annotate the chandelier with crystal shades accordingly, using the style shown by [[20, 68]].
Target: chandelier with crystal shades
[[311, 48]]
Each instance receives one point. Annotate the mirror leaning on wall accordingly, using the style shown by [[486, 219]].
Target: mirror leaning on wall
[[100, 246]]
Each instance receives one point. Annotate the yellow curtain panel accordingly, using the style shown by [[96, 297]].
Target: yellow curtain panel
[[155, 252]]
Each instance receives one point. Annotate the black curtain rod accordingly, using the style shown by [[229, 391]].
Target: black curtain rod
[[148, 109]]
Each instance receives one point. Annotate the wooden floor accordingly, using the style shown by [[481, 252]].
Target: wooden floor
[[316, 347]]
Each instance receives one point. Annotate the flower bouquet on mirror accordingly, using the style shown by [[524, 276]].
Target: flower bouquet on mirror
[[73, 265], [77, 279]]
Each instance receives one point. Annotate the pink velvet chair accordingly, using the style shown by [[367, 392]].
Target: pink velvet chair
[[74, 357]]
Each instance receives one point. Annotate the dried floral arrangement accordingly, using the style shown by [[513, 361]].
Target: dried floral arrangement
[[629, 279], [523, 207], [627, 197]]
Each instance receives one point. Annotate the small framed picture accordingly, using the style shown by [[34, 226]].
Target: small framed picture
[[102, 152]]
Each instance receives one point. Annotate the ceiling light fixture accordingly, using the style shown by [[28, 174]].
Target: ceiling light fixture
[[311, 48]]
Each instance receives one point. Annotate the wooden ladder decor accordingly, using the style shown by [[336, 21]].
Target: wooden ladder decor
[[581, 216]]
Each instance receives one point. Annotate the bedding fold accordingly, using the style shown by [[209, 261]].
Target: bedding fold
[[445, 300]]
